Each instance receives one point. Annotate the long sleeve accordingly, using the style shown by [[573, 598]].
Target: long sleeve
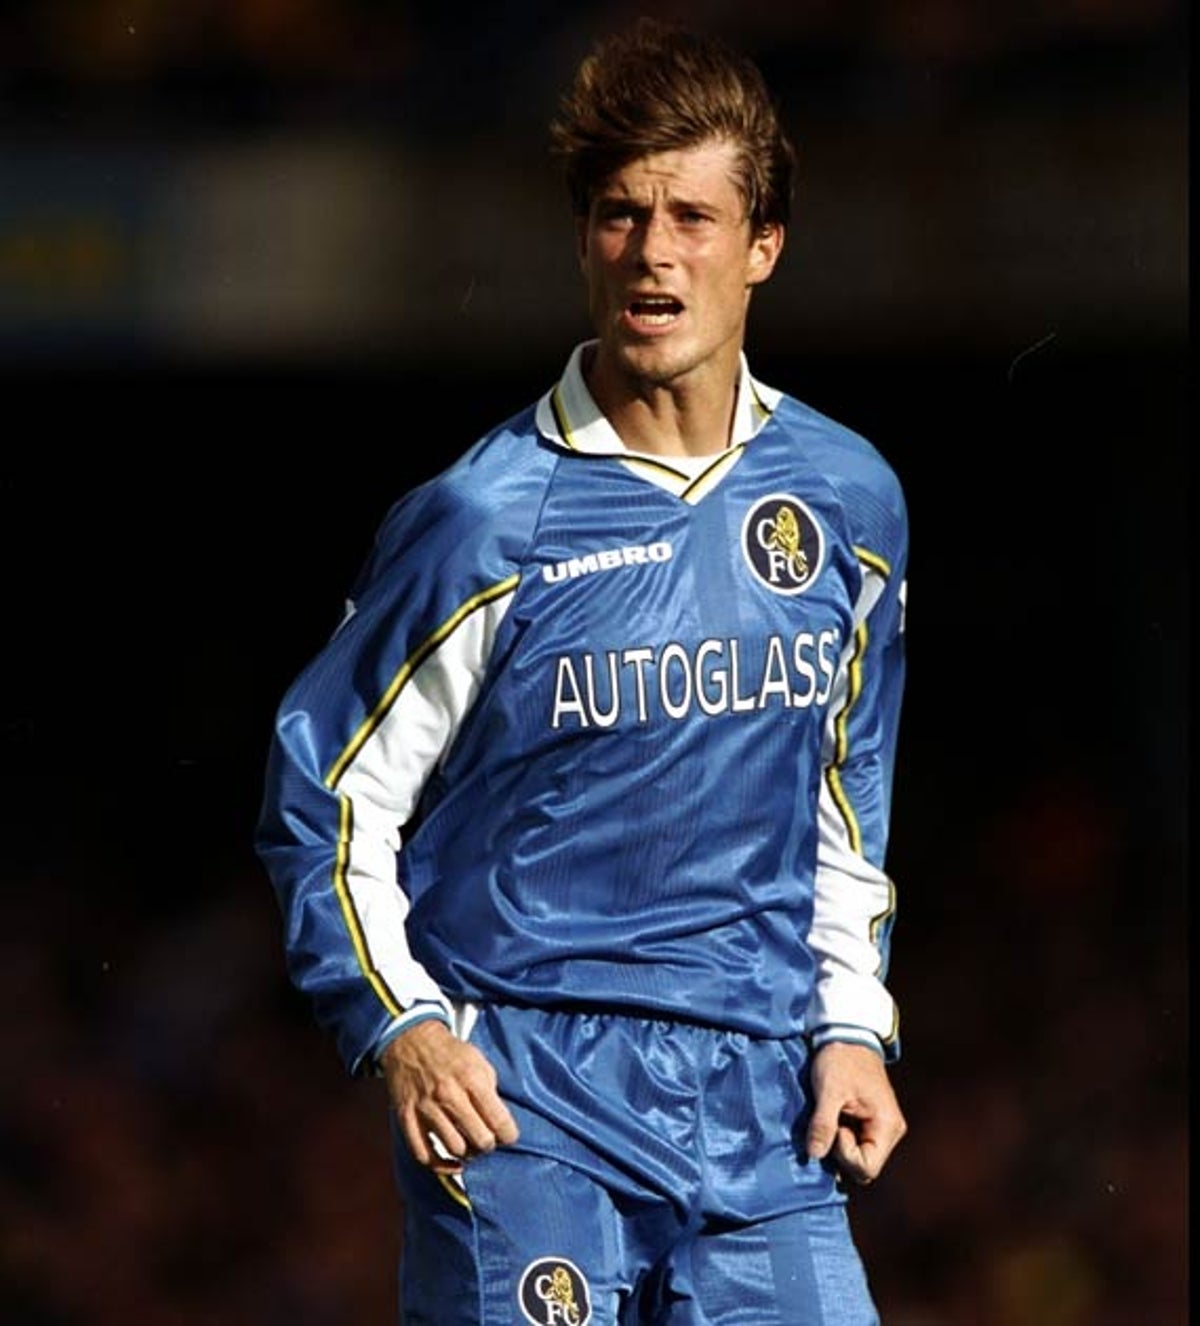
[[854, 898], [357, 737]]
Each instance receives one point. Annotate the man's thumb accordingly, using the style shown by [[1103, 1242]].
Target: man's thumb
[[822, 1130]]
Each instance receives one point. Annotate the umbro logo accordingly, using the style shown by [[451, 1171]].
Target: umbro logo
[[609, 559]]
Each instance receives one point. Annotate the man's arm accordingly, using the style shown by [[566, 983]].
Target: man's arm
[[853, 897], [356, 738], [852, 1017]]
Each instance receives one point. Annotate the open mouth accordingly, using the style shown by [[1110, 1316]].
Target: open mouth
[[654, 310]]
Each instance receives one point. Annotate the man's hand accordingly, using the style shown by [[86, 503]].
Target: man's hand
[[855, 1114], [444, 1094]]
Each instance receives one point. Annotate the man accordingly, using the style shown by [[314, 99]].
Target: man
[[578, 821]]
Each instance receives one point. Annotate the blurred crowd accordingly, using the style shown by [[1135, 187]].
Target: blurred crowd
[[180, 1146], [177, 1146], [446, 65]]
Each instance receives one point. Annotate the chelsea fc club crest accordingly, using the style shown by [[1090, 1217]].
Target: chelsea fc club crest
[[553, 1292], [782, 543]]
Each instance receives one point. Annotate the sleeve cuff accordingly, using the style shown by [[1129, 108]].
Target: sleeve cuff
[[854, 1036], [421, 1011]]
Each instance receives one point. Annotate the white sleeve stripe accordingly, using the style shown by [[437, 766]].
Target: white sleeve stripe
[[406, 671], [852, 899]]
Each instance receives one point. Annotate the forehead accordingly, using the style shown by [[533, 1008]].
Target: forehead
[[706, 172]]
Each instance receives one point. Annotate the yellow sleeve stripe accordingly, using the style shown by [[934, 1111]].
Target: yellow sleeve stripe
[[853, 691], [843, 804], [878, 922], [350, 916], [873, 560], [842, 742]]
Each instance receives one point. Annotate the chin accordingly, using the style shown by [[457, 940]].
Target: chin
[[654, 363]]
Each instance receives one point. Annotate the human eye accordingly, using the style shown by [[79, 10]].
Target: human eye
[[616, 213]]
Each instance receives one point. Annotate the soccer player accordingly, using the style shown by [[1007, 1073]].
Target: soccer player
[[578, 821]]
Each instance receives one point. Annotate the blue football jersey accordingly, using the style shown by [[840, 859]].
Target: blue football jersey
[[606, 730]]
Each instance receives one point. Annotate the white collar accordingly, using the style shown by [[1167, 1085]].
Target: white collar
[[568, 414]]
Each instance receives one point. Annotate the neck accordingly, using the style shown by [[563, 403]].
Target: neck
[[690, 415]]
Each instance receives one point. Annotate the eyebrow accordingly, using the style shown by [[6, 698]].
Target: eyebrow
[[620, 198]]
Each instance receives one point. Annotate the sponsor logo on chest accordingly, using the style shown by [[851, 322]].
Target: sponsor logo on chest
[[646, 683]]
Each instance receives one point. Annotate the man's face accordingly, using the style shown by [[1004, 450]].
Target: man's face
[[670, 260]]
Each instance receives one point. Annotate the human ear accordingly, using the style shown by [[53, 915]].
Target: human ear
[[765, 248]]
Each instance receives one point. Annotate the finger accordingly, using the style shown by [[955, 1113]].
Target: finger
[[851, 1159], [479, 1138], [497, 1118], [434, 1140], [822, 1133], [861, 1155], [418, 1142], [875, 1140], [480, 1124]]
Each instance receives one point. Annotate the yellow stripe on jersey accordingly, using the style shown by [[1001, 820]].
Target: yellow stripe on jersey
[[650, 463], [559, 411], [873, 560], [342, 889], [854, 688], [878, 922], [704, 483], [761, 408], [843, 804], [876, 934], [454, 1188]]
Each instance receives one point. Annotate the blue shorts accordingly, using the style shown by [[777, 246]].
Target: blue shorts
[[660, 1179]]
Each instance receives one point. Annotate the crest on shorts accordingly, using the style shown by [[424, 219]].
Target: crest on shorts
[[554, 1292], [782, 543]]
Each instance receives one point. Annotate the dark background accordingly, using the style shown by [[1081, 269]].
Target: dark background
[[266, 263]]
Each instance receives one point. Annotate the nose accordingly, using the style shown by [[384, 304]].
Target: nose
[[656, 241]]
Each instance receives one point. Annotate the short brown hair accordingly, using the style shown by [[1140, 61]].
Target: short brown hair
[[660, 88]]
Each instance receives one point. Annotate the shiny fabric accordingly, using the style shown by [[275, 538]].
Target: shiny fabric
[[593, 732], [659, 1180]]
